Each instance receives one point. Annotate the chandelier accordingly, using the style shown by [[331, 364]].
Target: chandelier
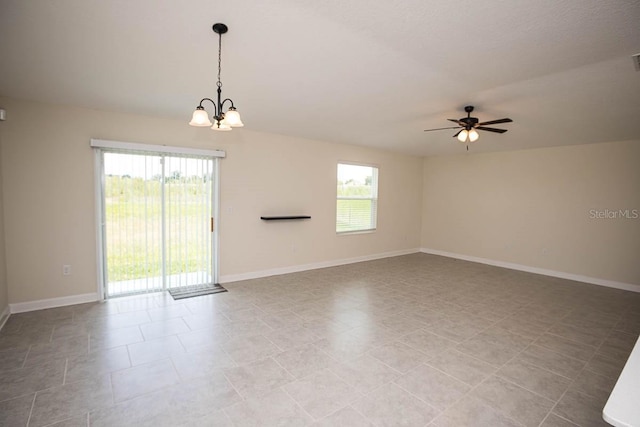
[[221, 121]]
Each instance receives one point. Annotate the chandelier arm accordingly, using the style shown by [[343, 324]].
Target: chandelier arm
[[215, 108], [228, 99]]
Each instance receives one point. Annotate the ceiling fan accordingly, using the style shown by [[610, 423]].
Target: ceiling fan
[[470, 126]]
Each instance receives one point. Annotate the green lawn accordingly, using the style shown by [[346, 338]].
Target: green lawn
[[353, 214], [134, 228]]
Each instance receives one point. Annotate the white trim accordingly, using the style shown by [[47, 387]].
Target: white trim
[[216, 222], [99, 215], [132, 146], [22, 307], [543, 271], [313, 266], [4, 316], [163, 151]]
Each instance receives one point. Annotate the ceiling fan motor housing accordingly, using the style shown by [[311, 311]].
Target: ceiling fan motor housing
[[470, 122]]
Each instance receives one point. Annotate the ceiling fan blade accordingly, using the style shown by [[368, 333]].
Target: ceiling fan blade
[[429, 130], [491, 129], [457, 133], [457, 121], [495, 122]]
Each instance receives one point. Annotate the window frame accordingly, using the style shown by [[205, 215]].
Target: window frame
[[374, 198]]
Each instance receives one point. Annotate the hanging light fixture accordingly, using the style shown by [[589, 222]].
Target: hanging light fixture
[[221, 121], [471, 134]]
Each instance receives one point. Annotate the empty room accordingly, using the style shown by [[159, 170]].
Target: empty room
[[399, 213]]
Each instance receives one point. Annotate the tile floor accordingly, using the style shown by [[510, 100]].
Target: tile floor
[[417, 340]]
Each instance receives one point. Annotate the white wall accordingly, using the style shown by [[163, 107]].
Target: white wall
[[524, 207], [534, 208], [49, 196]]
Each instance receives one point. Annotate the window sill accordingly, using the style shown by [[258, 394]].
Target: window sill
[[347, 233]]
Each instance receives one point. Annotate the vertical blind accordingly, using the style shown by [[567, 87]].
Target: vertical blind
[[157, 221]]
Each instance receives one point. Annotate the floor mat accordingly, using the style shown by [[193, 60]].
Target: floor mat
[[195, 291]]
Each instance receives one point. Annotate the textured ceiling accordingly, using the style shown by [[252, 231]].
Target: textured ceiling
[[352, 71]]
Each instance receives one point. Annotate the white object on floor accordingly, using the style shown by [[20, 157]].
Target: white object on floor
[[623, 407]]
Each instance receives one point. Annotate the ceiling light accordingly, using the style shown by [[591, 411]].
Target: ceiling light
[[200, 117], [470, 135], [221, 121]]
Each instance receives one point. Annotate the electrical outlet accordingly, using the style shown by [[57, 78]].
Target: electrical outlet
[[66, 270]]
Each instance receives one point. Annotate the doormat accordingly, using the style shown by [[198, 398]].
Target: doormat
[[195, 291]]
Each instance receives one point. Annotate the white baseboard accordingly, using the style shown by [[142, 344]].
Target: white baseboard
[[22, 307], [92, 297], [4, 316], [313, 266], [536, 270]]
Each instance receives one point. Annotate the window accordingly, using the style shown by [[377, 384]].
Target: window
[[357, 203]]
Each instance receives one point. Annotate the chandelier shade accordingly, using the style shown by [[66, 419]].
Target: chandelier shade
[[232, 118], [200, 118]]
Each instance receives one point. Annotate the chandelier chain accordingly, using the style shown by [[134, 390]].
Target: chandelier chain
[[219, 59]]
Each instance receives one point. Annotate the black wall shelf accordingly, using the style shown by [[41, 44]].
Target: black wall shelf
[[284, 218]]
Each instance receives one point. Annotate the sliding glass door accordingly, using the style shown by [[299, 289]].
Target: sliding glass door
[[157, 221]]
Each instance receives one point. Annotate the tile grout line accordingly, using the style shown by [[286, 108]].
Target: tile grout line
[[469, 393], [64, 375], [574, 380], [540, 367], [224, 374], [26, 357], [297, 403], [33, 403]]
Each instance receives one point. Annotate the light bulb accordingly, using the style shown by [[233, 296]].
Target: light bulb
[[473, 135], [232, 118], [462, 136], [200, 118], [221, 126]]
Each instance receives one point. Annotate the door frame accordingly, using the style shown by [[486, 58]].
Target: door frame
[[100, 146]]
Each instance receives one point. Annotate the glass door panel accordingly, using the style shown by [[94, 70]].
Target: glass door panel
[[157, 220]]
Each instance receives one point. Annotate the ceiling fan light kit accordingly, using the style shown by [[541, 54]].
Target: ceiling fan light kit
[[471, 125], [472, 135], [221, 121]]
